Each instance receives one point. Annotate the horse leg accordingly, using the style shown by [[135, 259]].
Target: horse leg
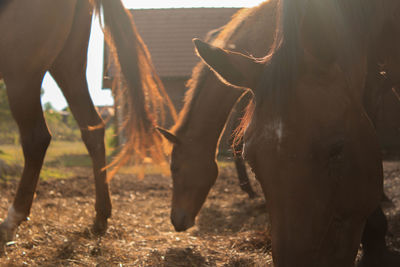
[[69, 70], [75, 90], [375, 251], [240, 165], [24, 100]]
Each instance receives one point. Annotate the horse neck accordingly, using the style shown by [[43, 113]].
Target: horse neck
[[209, 110], [205, 114]]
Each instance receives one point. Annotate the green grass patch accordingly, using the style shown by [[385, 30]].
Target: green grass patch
[[60, 157], [67, 154], [71, 160], [11, 154], [63, 156], [225, 163], [55, 173]]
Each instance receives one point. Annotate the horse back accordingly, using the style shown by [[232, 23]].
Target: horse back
[[33, 34]]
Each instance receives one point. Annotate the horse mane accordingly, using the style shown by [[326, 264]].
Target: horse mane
[[283, 62], [281, 66], [218, 37]]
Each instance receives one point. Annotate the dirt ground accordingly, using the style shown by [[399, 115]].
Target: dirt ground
[[231, 230]]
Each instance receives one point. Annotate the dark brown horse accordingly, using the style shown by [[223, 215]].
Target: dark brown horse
[[47, 35], [307, 137]]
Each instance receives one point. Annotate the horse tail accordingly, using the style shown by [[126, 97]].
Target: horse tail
[[139, 93]]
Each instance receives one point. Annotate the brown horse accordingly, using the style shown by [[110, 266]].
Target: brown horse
[[47, 35], [201, 86], [208, 104], [307, 137]]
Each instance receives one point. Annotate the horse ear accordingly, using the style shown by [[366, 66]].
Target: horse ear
[[168, 135], [234, 68]]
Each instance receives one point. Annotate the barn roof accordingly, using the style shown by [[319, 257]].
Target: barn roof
[[168, 34]]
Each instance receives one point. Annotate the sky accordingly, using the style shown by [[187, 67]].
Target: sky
[[53, 94]]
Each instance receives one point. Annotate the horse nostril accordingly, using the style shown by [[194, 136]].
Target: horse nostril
[[181, 221]]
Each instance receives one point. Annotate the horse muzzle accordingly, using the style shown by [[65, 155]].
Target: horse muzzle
[[181, 220]]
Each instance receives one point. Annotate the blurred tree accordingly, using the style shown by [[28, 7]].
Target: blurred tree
[[48, 106], [64, 129]]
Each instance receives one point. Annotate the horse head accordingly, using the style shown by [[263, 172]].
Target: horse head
[[193, 174], [313, 150]]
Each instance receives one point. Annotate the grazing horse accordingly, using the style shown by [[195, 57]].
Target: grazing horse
[[188, 130], [307, 136], [208, 104], [48, 35]]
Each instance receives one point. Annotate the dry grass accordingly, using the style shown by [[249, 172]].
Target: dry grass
[[230, 231]]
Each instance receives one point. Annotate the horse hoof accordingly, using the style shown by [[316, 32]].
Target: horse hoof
[[6, 235], [100, 226]]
